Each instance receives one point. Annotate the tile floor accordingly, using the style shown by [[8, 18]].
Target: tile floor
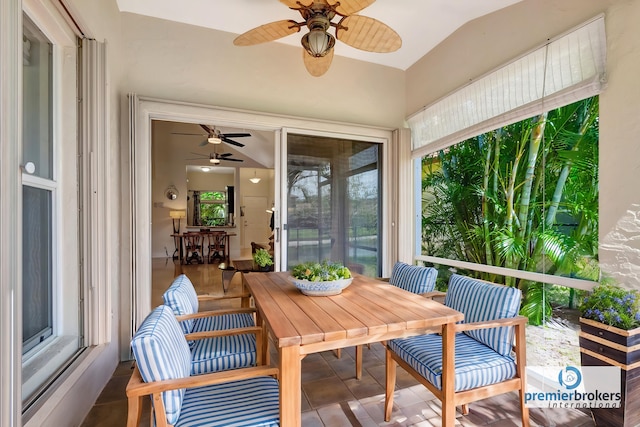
[[332, 396]]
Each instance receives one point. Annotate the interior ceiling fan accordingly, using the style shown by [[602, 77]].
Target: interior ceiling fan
[[358, 31], [215, 158], [214, 136]]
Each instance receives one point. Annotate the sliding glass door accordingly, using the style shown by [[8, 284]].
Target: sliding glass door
[[334, 202]]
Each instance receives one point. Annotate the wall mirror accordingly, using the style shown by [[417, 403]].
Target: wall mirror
[[210, 196]]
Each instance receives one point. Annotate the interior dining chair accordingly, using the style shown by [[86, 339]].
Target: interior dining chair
[[413, 278], [193, 248], [483, 356], [247, 397], [216, 246], [230, 334]]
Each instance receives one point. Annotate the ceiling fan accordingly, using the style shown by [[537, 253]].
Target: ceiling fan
[[214, 136], [215, 158], [358, 31]]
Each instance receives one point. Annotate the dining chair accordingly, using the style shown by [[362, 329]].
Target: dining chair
[[193, 247], [216, 246], [247, 397], [483, 356], [183, 299], [413, 278], [219, 339]]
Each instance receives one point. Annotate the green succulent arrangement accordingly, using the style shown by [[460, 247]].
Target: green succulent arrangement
[[262, 258], [612, 305], [324, 271]]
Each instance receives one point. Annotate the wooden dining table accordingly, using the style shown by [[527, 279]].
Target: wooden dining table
[[367, 311]]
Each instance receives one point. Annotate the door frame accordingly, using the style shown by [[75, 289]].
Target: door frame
[[136, 292]]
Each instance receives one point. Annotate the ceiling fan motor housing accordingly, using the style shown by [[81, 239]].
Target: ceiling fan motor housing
[[317, 42]]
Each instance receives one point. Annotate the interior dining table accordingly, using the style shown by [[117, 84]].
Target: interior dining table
[[367, 311]]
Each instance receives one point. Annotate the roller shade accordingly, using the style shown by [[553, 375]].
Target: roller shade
[[568, 68]]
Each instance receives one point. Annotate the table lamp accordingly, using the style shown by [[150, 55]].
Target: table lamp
[[177, 215]]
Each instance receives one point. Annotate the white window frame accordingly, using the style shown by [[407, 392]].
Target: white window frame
[[453, 106], [63, 186]]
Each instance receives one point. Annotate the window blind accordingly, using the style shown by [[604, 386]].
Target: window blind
[[566, 69]]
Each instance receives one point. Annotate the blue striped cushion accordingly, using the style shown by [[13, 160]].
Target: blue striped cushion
[[480, 301], [162, 353], [223, 353], [182, 298], [252, 402], [413, 278], [476, 365], [223, 322]]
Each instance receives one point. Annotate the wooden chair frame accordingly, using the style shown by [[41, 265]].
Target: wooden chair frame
[[447, 394], [137, 389]]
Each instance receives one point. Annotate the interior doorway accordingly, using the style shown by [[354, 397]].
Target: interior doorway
[[141, 195]]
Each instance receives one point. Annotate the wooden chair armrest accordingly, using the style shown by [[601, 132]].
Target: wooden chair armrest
[[212, 313], [511, 321], [137, 387], [208, 297], [434, 294], [222, 333]]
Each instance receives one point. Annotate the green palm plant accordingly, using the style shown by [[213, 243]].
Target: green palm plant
[[503, 198]]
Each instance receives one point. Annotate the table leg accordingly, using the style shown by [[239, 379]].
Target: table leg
[[290, 386], [448, 374]]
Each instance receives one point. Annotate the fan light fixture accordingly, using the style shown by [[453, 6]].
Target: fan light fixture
[[255, 179], [214, 160], [214, 140], [353, 29]]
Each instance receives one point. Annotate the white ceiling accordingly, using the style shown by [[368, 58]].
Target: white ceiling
[[422, 24]]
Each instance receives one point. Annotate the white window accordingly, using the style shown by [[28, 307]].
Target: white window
[[52, 318], [507, 172]]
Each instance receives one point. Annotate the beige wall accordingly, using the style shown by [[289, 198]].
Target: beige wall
[[488, 42], [182, 62]]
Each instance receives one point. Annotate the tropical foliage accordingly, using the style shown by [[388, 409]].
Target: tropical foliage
[[523, 197]]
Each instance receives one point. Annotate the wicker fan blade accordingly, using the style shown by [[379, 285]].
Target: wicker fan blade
[[368, 34], [293, 4], [267, 32], [317, 66], [349, 7]]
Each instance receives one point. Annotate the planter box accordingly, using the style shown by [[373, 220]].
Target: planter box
[[604, 345]]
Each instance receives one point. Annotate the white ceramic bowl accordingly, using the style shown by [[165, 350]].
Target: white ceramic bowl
[[321, 289]]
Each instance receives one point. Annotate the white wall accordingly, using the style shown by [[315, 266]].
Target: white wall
[[186, 63], [490, 41]]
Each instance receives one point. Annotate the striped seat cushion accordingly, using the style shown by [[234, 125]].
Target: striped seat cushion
[[222, 322], [476, 364], [480, 301], [251, 402], [223, 353], [181, 297], [162, 353], [413, 278]]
